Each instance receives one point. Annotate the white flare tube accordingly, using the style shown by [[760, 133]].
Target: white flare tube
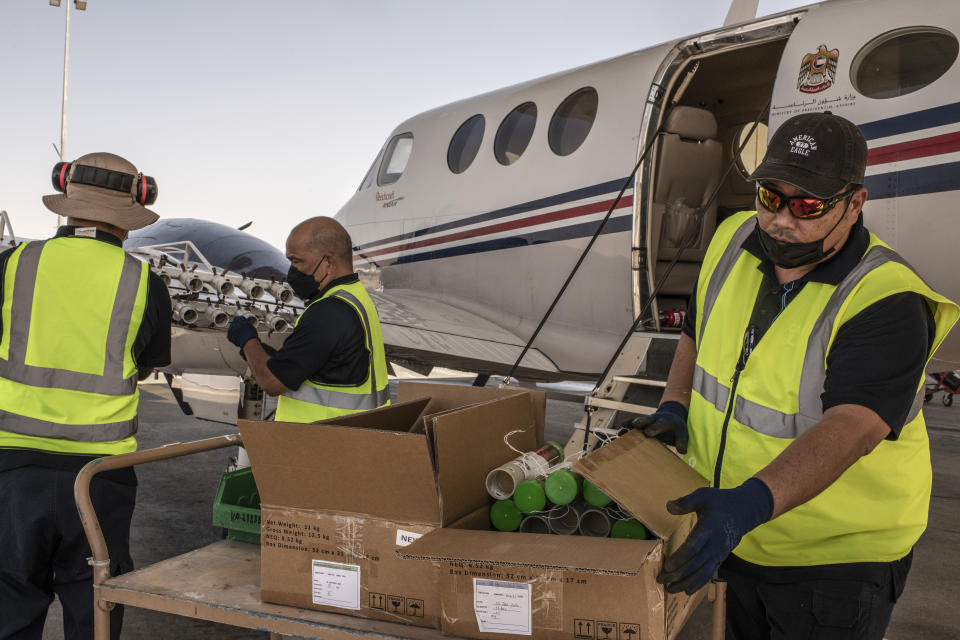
[[276, 322], [251, 316], [564, 519], [216, 316], [534, 524], [252, 288], [191, 281], [221, 285], [596, 523], [187, 313], [281, 291]]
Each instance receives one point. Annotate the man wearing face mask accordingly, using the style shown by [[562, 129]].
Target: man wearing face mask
[[333, 363], [796, 391]]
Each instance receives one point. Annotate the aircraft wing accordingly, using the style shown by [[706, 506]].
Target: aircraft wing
[[423, 329]]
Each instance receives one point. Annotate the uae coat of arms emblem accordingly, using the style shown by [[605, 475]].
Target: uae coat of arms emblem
[[818, 70]]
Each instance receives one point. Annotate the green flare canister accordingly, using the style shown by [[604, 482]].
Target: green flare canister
[[630, 528], [505, 516], [530, 496], [563, 486], [594, 496]]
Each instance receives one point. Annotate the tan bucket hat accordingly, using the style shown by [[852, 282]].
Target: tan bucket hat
[[109, 204]]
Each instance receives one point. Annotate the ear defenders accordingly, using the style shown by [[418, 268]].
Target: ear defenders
[[106, 179]]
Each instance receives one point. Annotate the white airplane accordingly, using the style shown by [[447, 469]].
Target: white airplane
[[474, 213]]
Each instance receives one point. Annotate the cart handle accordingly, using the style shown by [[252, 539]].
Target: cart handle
[[81, 488]]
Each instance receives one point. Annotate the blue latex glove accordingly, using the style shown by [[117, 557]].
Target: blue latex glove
[[241, 331], [668, 424], [724, 516]]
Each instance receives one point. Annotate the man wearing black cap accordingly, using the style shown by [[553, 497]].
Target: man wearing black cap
[[81, 323], [796, 391]]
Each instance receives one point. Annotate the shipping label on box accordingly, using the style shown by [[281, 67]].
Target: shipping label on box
[[346, 564]]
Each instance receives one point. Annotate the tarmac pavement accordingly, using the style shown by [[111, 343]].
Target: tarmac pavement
[[175, 499]]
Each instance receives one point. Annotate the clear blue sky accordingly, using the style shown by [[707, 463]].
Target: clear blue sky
[[272, 111]]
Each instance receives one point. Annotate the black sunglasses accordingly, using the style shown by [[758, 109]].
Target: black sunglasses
[[803, 207]]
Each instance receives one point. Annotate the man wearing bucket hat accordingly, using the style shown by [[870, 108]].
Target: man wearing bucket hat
[[796, 391], [81, 322]]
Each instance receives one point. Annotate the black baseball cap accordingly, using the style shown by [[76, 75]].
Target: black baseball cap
[[819, 153]]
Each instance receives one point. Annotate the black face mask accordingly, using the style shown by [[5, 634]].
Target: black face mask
[[303, 284], [795, 254]]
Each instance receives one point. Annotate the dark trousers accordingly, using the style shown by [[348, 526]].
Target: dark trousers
[[43, 550], [820, 608]]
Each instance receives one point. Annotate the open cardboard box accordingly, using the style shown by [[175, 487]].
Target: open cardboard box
[[339, 497], [495, 584]]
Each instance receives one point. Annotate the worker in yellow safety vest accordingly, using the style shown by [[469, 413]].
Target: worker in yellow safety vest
[[796, 391], [333, 363], [81, 323]]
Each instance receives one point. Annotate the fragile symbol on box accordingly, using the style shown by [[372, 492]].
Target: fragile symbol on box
[[583, 628], [629, 631], [378, 601], [606, 630], [415, 607], [397, 604]]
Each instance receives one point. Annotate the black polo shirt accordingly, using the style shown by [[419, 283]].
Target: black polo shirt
[[151, 349], [877, 356], [328, 345]]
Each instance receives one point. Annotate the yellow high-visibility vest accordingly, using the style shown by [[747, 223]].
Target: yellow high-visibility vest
[[877, 509], [72, 308], [312, 401]]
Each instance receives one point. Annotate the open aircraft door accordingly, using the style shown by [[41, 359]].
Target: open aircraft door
[[708, 91], [893, 73]]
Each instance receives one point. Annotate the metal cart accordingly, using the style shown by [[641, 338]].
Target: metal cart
[[221, 581], [946, 381]]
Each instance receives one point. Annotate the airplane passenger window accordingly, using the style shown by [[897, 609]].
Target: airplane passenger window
[[903, 61], [395, 159], [465, 144], [514, 133], [756, 147], [572, 120]]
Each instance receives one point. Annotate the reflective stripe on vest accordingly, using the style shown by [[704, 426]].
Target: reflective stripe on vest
[[325, 401], [38, 388]]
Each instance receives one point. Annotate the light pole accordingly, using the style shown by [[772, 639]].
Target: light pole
[[81, 6]]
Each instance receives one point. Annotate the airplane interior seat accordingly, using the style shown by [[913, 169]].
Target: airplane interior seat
[[689, 167]]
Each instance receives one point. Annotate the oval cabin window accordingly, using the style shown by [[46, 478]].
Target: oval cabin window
[[465, 144], [903, 61], [514, 133], [572, 121]]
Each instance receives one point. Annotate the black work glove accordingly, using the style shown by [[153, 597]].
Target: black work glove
[[724, 516], [241, 331], [668, 424]]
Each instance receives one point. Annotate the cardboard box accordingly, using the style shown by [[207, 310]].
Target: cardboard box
[[346, 564], [339, 497], [497, 585]]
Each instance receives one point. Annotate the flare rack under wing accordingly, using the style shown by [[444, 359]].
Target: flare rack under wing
[[419, 328]]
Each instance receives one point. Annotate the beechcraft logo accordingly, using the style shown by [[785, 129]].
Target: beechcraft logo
[[818, 70]]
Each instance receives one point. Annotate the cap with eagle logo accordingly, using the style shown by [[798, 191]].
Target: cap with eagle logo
[[818, 153]]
